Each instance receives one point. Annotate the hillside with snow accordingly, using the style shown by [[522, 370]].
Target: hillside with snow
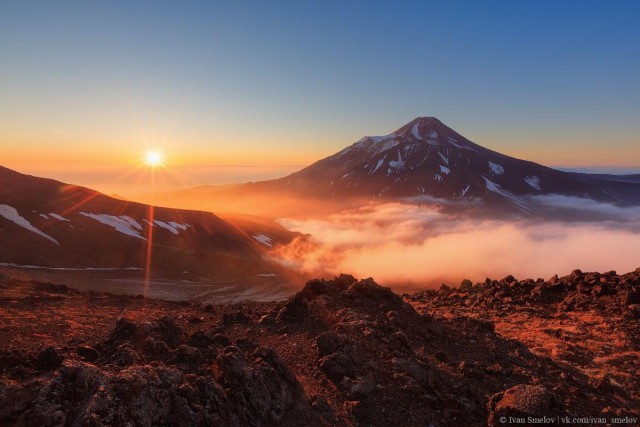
[[49, 225]]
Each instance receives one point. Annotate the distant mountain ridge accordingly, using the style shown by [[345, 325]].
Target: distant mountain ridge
[[427, 158]]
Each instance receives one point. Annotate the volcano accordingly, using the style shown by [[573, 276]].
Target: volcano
[[426, 158]]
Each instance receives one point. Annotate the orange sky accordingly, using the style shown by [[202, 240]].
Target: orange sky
[[111, 162]]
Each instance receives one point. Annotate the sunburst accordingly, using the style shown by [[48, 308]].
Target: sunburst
[[153, 158]]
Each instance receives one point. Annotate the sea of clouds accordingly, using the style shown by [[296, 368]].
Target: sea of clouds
[[422, 245]]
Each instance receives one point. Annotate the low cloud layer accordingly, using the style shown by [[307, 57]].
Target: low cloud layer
[[406, 244], [601, 211]]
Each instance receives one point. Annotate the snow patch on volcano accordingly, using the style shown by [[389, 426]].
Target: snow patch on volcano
[[533, 181], [397, 164], [10, 213], [444, 158], [415, 131], [121, 225], [380, 163], [264, 239], [496, 188], [58, 217], [495, 168]]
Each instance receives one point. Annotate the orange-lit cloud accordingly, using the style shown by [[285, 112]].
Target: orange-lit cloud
[[410, 244]]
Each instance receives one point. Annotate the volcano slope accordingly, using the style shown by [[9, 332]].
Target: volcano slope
[[339, 352], [56, 226]]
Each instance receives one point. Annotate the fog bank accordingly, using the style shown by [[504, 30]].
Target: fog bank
[[397, 243]]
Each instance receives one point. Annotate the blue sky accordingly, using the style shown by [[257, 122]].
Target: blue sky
[[289, 82]]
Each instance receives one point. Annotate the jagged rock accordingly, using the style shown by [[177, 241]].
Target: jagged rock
[[155, 348], [275, 361], [365, 355], [548, 292], [520, 401], [125, 355], [149, 396], [164, 329], [124, 330], [296, 309], [169, 331], [576, 274], [508, 279], [316, 287], [257, 388], [146, 329], [466, 285], [344, 281]]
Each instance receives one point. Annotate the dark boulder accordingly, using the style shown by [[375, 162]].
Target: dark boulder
[[124, 330], [338, 365], [521, 401], [295, 310], [329, 342], [48, 358], [88, 353], [258, 389], [169, 331]]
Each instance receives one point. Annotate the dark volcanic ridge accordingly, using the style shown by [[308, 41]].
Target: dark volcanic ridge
[[50, 224], [339, 352]]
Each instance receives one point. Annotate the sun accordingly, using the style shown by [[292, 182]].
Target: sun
[[153, 158]]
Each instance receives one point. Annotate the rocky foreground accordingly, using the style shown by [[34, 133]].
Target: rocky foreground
[[340, 352]]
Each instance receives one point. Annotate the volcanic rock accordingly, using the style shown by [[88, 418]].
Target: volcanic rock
[[341, 352], [520, 401]]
